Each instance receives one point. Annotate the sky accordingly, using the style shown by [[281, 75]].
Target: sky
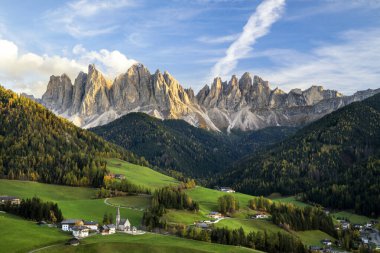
[[290, 43]]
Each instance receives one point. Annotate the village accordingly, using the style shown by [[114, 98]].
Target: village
[[81, 228]]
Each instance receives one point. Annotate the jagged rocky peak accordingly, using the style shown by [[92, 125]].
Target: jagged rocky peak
[[58, 93], [247, 103]]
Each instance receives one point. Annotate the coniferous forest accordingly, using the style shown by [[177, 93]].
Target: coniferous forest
[[37, 145], [334, 161]]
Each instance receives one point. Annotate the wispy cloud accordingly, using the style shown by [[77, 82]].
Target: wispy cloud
[[348, 66], [74, 17], [218, 40], [258, 25]]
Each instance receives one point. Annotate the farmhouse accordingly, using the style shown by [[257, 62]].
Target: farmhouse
[[326, 242], [108, 229], [13, 200], [259, 216], [92, 225], [80, 231], [67, 225], [215, 215], [117, 176], [201, 225], [226, 189]]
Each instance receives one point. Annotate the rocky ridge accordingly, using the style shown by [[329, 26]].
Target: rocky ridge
[[247, 103]]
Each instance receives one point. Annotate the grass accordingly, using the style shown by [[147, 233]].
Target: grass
[[249, 225], [18, 235], [138, 201], [208, 198], [184, 217], [354, 218], [145, 243], [75, 202], [313, 237], [290, 199], [139, 175]]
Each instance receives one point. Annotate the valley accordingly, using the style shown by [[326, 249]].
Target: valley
[[80, 202]]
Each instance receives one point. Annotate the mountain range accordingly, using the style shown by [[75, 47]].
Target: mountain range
[[243, 104]]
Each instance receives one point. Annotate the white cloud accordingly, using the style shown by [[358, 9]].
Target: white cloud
[[348, 66], [258, 25], [78, 18], [111, 62], [30, 72], [218, 40]]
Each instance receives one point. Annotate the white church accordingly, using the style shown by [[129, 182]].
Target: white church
[[123, 224]]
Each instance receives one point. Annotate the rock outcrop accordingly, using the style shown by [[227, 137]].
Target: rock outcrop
[[247, 103]]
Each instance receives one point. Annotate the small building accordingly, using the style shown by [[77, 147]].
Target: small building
[[122, 224], [92, 225], [13, 200], [68, 224], [201, 225], [326, 242], [80, 231], [215, 215], [315, 249], [259, 216], [345, 225], [226, 189], [119, 176], [73, 242], [108, 229]]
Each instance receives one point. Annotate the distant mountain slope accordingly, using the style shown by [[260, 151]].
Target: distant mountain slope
[[334, 161], [37, 145], [242, 104], [175, 144]]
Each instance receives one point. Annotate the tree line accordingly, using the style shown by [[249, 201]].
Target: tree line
[[34, 209], [36, 145], [296, 218]]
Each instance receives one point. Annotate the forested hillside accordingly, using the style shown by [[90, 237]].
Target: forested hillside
[[334, 161], [175, 144], [37, 145]]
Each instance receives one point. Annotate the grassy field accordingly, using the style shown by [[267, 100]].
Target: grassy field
[[184, 217], [249, 225], [140, 175], [75, 202], [313, 237], [144, 243], [138, 201], [354, 218], [18, 235], [290, 199], [208, 198]]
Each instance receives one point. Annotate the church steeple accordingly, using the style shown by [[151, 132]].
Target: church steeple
[[118, 217]]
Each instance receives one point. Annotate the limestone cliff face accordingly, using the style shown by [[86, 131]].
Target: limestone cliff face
[[247, 103]]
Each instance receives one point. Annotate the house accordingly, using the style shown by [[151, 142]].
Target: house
[[13, 200], [215, 215], [315, 249], [67, 225], [365, 240], [122, 224], [345, 225], [80, 231], [201, 225], [259, 216], [119, 176], [357, 226], [326, 242], [92, 225], [73, 242], [226, 189], [108, 229]]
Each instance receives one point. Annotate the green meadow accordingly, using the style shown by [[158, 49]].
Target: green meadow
[[75, 202], [139, 175], [19, 235], [144, 243], [313, 237]]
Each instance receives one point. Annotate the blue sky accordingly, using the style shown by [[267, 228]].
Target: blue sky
[[293, 44]]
